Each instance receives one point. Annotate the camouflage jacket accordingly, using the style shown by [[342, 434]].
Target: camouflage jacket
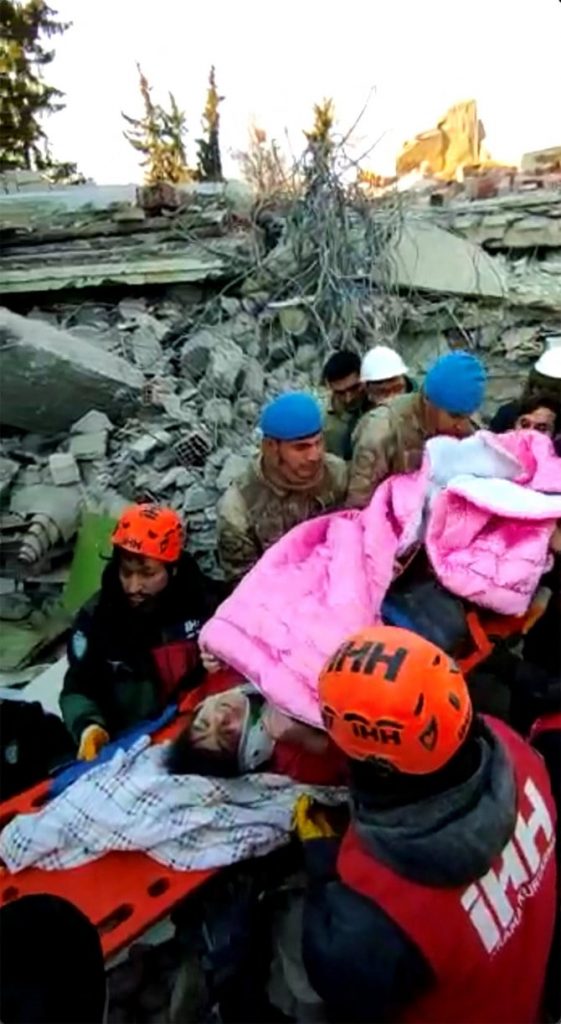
[[338, 430], [254, 513], [389, 439]]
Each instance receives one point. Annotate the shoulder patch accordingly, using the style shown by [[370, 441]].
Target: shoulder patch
[[79, 644]]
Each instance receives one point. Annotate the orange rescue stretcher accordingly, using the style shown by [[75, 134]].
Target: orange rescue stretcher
[[123, 894]]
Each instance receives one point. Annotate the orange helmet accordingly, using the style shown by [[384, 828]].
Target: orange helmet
[[150, 531], [390, 696]]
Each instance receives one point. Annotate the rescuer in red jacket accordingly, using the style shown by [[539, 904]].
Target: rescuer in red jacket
[[134, 646], [438, 904]]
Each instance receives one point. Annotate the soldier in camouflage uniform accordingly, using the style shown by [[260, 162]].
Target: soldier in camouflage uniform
[[391, 439], [347, 402], [290, 481]]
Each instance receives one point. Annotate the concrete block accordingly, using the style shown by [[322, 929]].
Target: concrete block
[[144, 445], [87, 447], [92, 422], [49, 377], [64, 469]]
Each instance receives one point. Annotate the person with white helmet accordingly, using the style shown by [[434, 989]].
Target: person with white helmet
[[391, 437], [384, 375], [544, 379]]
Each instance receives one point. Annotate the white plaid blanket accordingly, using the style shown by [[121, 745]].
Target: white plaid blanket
[[132, 803]]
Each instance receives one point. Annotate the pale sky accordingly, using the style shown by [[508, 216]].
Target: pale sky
[[274, 60]]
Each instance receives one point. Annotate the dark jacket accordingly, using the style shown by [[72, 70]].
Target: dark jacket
[[358, 960], [32, 743], [126, 664]]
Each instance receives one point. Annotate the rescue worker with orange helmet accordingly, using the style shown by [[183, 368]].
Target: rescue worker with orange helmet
[[134, 645], [438, 904]]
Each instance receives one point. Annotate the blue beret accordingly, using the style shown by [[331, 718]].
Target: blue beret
[[291, 416], [456, 383]]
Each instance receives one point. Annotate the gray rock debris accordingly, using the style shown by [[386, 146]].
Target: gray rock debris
[[8, 472], [49, 376], [143, 337], [93, 421], [196, 499], [177, 477], [87, 447], [254, 380], [64, 469], [223, 369], [195, 354], [217, 412]]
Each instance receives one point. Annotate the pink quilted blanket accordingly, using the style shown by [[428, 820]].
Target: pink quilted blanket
[[485, 508]]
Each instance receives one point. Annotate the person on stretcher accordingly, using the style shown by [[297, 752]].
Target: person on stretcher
[[134, 646], [238, 731]]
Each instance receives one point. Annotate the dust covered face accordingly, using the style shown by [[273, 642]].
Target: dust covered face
[[233, 723]]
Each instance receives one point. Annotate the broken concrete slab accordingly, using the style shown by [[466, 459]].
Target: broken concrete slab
[[195, 354], [225, 364], [428, 258], [143, 342], [177, 477], [147, 443], [64, 469], [41, 363], [99, 268], [143, 447], [254, 380], [90, 446], [196, 499], [93, 421]]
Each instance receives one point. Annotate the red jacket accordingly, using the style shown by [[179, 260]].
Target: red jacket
[[487, 943]]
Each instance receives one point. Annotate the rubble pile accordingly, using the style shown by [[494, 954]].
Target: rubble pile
[[130, 372], [456, 142]]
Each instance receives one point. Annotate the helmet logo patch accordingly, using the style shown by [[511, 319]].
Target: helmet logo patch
[[365, 657], [382, 730]]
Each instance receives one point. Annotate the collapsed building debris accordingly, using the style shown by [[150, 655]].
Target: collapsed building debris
[[49, 377], [456, 142], [47, 247], [195, 361]]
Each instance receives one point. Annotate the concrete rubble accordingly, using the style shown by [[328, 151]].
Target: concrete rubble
[[116, 394], [50, 377], [456, 142]]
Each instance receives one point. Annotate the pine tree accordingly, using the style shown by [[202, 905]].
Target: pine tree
[[209, 163], [159, 135], [25, 98]]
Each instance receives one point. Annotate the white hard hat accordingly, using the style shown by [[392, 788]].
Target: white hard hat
[[549, 363], [381, 363]]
